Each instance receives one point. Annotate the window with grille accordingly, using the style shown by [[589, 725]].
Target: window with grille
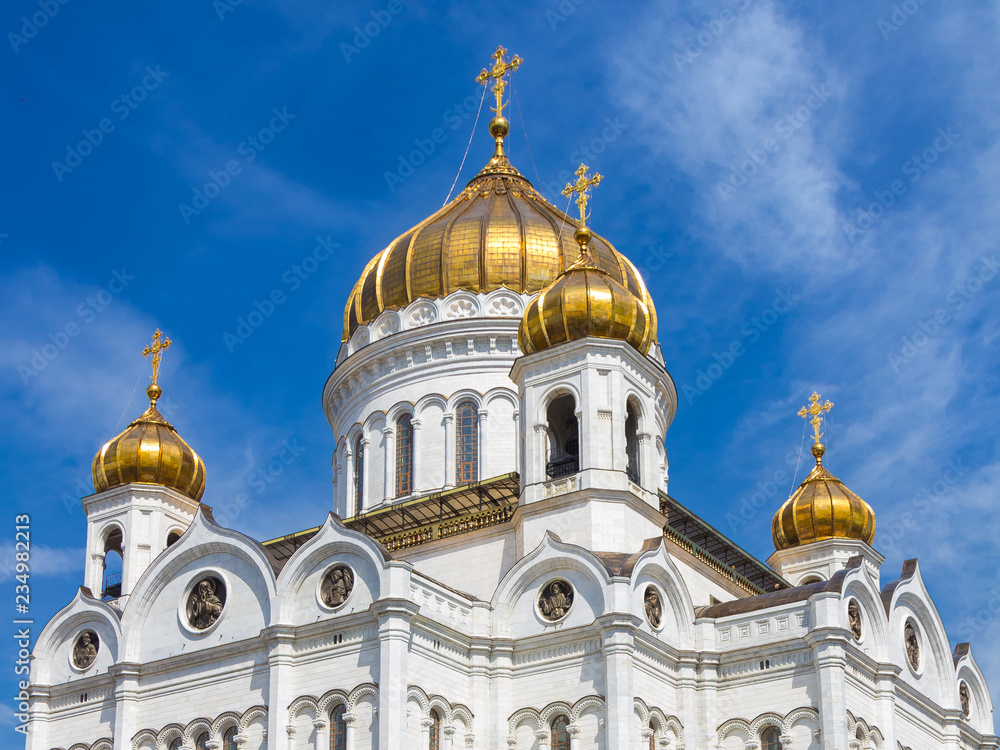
[[435, 733], [229, 739], [770, 739], [338, 728], [467, 443], [359, 475], [202, 742], [404, 456], [560, 733]]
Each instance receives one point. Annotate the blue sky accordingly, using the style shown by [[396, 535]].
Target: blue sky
[[810, 189]]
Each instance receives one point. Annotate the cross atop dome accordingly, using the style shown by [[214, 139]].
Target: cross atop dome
[[816, 410], [154, 353], [500, 69]]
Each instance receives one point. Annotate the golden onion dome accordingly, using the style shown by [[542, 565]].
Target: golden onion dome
[[498, 233], [822, 508], [149, 451], [583, 301]]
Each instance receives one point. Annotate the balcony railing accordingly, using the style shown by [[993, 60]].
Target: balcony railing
[[563, 467], [112, 586]]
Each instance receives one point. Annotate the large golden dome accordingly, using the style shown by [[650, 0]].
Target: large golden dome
[[585, 301], [149, 451], [822, 508], [499, 232]]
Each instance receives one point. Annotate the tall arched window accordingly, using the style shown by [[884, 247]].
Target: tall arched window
[[338, 728], [359, 475], [564, 438], [631, 444], [202, 742], [435, 731], [229, 739], [560, 733], [652, 736], [404, 456], [113, 563], [466, 443], [175, 744], [770, 739]]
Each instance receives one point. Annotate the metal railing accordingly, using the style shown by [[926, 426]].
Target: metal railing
[[563, 467]]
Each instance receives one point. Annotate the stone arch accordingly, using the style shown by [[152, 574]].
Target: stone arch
[[146, 735], [250, 715], [169, 733], [874, 624], [766, 720], [330, 700], [302, 704], [105, 743], [225, 720], [462, 395], [587, 703], [364, 690], [52, 649], [195, 728], [654, 566]]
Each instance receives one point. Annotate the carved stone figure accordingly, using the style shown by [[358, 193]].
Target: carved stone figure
[[912, 646], [205, 602], [963, 697], [654, 610], [85, 649], [555, 601], [337, 586], [854, 617]]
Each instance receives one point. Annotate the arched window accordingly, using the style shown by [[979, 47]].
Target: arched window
[[560, 733], [564, 438], [359, 475], [229, 739], [172, 537], [202, 742], [434, 742], [175, 744], [652, 736], [338, 728], [466, 443], [404, 456], [770, 739], [631, 444]]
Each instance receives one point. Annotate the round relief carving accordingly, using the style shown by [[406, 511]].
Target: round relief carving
[[422, 315], [653, 606], [504, 307], [912, 646], [555, 600], [854, 619], [461, 308], [85, 649], [387, 327], [205, 602], [337, 585]]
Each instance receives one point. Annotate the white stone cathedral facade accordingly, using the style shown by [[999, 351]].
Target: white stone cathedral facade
[[503, 568]]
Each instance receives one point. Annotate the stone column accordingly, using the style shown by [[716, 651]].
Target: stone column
[[885, 701], [95, 575], [415, 484], [479, 686], [447, 738], [394, 616], [425, 732], [574, 736], [828, 645], [618, 645], [349, 721], [647, 462], [126, 676], [647, 734], [350, 502], [448, 420], [540, 441], [518, 439], [322, 736], [366, 486], [389, 466], [483, 444], [290, 733], [542, 736], [280, 683], [38, 718], [502, 668]]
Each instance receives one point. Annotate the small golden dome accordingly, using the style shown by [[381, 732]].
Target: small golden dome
[[822, 508], [149, 451], [586, 301], [498, 233]]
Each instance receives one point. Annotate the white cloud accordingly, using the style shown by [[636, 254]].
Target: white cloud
[[43, 562]]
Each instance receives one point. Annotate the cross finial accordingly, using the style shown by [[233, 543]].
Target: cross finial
[[498, 71], [581, 186], [815, 409], [154, 352]]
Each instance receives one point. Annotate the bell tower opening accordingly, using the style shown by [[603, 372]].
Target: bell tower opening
[[563, 450], [631, 443], [114, 557]]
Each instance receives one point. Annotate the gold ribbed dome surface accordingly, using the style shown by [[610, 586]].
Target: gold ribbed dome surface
[[149, 451], [498, 233], [585, 301], [822, 508]]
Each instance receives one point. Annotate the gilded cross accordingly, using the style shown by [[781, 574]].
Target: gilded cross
[[499, 70], [815, 409], [581, 186], [154, 352]]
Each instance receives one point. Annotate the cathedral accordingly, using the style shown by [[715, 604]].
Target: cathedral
[[503, 567]]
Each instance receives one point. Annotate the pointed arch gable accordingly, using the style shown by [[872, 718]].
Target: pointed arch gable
[[50, 663], [655, 566]]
